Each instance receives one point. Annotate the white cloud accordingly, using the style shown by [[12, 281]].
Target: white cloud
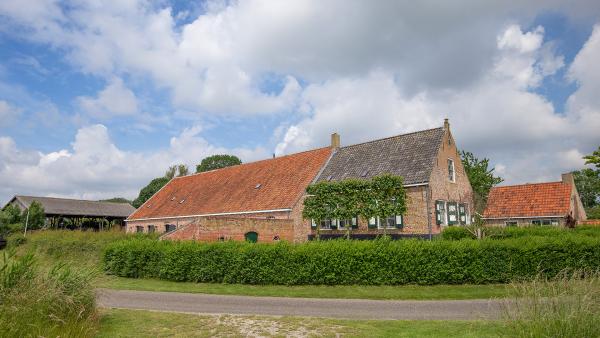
[[8, 113], [114, 100], [94, 167], [497, 117]]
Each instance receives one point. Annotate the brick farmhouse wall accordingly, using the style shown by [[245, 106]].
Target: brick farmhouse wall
[[225, 228]]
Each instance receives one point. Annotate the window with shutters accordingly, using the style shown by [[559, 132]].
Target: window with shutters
[[440, 212], [352, 223], [393, 222], [462, 213], [451, 173], [452, 213]]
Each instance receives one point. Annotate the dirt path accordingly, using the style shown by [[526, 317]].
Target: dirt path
[[306, 307]]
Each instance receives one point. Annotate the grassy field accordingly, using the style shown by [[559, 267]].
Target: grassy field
[[138, 323], [83, 250]]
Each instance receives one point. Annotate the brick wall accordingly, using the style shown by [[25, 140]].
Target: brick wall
[[221, 228]]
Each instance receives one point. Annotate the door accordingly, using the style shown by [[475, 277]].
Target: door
[[251, 237]]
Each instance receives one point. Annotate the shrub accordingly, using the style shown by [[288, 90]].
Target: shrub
[[15, 240], [60, 303], [565, 306], [456, 233], [351, 262]]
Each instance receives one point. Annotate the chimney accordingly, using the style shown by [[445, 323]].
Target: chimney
[[568, 179], [335, 141], [446, 124]]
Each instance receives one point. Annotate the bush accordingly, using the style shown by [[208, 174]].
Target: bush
[[60, 303], [345, 262], [16, 239], [565, 306], [456, 233]]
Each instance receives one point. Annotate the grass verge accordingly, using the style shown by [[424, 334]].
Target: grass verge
[[139, 323]]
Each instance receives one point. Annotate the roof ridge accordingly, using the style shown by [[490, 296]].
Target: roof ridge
[[69, 199], [525, 184], [257, 161], [390, 137]]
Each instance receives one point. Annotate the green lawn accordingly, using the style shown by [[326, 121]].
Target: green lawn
[[415, 292], [138, 323]]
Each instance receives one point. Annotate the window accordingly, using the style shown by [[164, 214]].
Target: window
[[326, 224], [550, 221], [139, 229], [452, 213], [151, 228], [343, 223], [451, 174], [170, 227], [440, 213], [536, 222], [511, 223], [393, 222]]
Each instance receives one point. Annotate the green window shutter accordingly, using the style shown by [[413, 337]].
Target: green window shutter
[[334, 224], [399, 221], [452, 213], [438, 212], [372, 223], [313, 224], [462, 213], [354, 222]]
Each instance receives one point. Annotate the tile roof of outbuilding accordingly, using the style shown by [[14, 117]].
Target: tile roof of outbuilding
[[271, 184], [74, 207], [411, 156], [529, 200]]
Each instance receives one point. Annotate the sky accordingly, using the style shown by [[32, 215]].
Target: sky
[[99, 97]]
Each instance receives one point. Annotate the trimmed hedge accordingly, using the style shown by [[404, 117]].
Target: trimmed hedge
[[499, 232], [380, 262]]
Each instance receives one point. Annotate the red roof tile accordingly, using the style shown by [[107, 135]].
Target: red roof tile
[[541, 199], [282, 182]]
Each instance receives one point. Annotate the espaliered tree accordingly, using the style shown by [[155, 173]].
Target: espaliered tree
[[383, 196]]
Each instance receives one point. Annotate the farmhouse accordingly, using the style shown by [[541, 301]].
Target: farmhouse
[[552, 203], [57, 209], [263, 201]]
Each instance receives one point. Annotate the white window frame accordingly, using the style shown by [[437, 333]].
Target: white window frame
[[453, 179], [321, 227], [395, 218]]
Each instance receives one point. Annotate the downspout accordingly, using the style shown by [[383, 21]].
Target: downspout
[[427, 194]]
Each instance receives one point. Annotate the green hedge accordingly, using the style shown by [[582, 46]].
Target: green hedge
[[498, 232], [351, 262]]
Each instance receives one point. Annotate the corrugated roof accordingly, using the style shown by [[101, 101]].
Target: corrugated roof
[[271, 184], [529, 200], [73, 207], [409, 155]]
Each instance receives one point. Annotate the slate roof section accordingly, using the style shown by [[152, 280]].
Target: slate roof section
[[529, 200], [271, 184], [73, 207], [411, 156]]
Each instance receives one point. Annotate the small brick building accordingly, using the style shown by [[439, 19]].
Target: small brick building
[[263, 200], [551, 203]]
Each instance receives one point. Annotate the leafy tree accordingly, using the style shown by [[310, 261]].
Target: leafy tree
[[587, 182], [384, 198], [318, 205], [481, 177], [217, 162], [594, 158], [593, 212], [34, 217], [148, 191], [10, 215], [177, 171], [117, 200]]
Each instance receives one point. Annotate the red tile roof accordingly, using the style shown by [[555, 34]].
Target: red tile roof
[[528, 200], [282, 182]]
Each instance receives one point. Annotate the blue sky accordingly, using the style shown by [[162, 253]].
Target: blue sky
[[98, 98]]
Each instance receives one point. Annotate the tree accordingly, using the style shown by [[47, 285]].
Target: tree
[[117, 200], [217, 162], [148, 191], [319, 204], [34, 217], [177, 171], [481, 177], [587, 182], [384, 198], [10, 215], [594, 158]]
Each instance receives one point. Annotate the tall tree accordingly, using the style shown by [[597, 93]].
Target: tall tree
[[34, 216], [217, 162], [177, 171], [587, 182], [148, 191], [593, 158], [481, 177]]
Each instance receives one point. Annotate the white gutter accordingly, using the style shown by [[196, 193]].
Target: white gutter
[[415, 185], [215, 214], [523, 217]]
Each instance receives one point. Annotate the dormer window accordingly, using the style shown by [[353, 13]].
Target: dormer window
[[451, 173]]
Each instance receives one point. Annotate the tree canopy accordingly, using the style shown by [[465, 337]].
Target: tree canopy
[[177, 171], [34, 216], [154, 186], [482, 178], [593, 158], [383, 196], [117, 200], [587, 182], [217, 162]]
